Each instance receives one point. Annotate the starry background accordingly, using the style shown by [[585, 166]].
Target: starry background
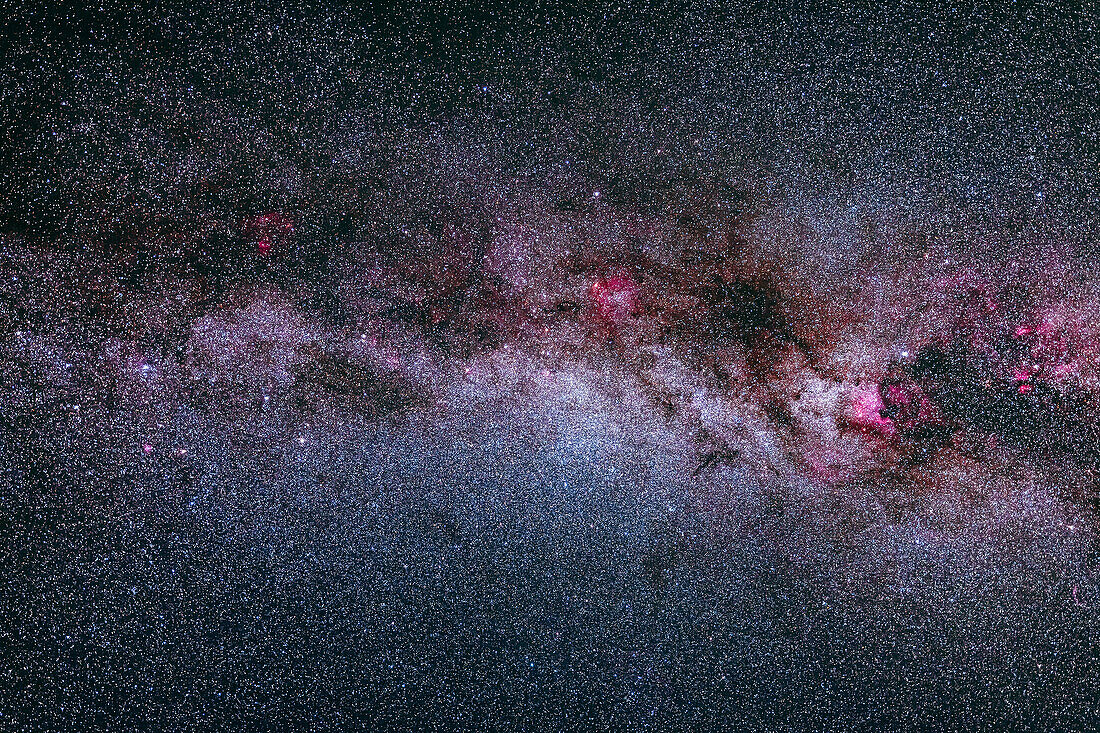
[[452, 366]]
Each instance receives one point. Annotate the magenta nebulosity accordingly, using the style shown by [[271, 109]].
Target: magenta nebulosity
[[615, 298], [268, 229]]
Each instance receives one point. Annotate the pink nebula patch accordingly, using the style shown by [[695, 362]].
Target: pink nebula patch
[[909, 406], [267, 229], [866, 409], [615, 298]]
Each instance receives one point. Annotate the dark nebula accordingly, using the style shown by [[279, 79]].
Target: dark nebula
[[457, 367]]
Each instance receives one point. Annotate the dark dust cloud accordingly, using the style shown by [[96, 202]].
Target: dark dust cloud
[[665, 367]]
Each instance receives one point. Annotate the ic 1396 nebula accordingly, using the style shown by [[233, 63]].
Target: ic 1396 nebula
[[455, 366]]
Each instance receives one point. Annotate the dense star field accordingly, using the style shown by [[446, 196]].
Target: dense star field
[[665, 367]]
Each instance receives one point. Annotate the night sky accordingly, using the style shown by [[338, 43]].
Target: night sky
[[635, 367]]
